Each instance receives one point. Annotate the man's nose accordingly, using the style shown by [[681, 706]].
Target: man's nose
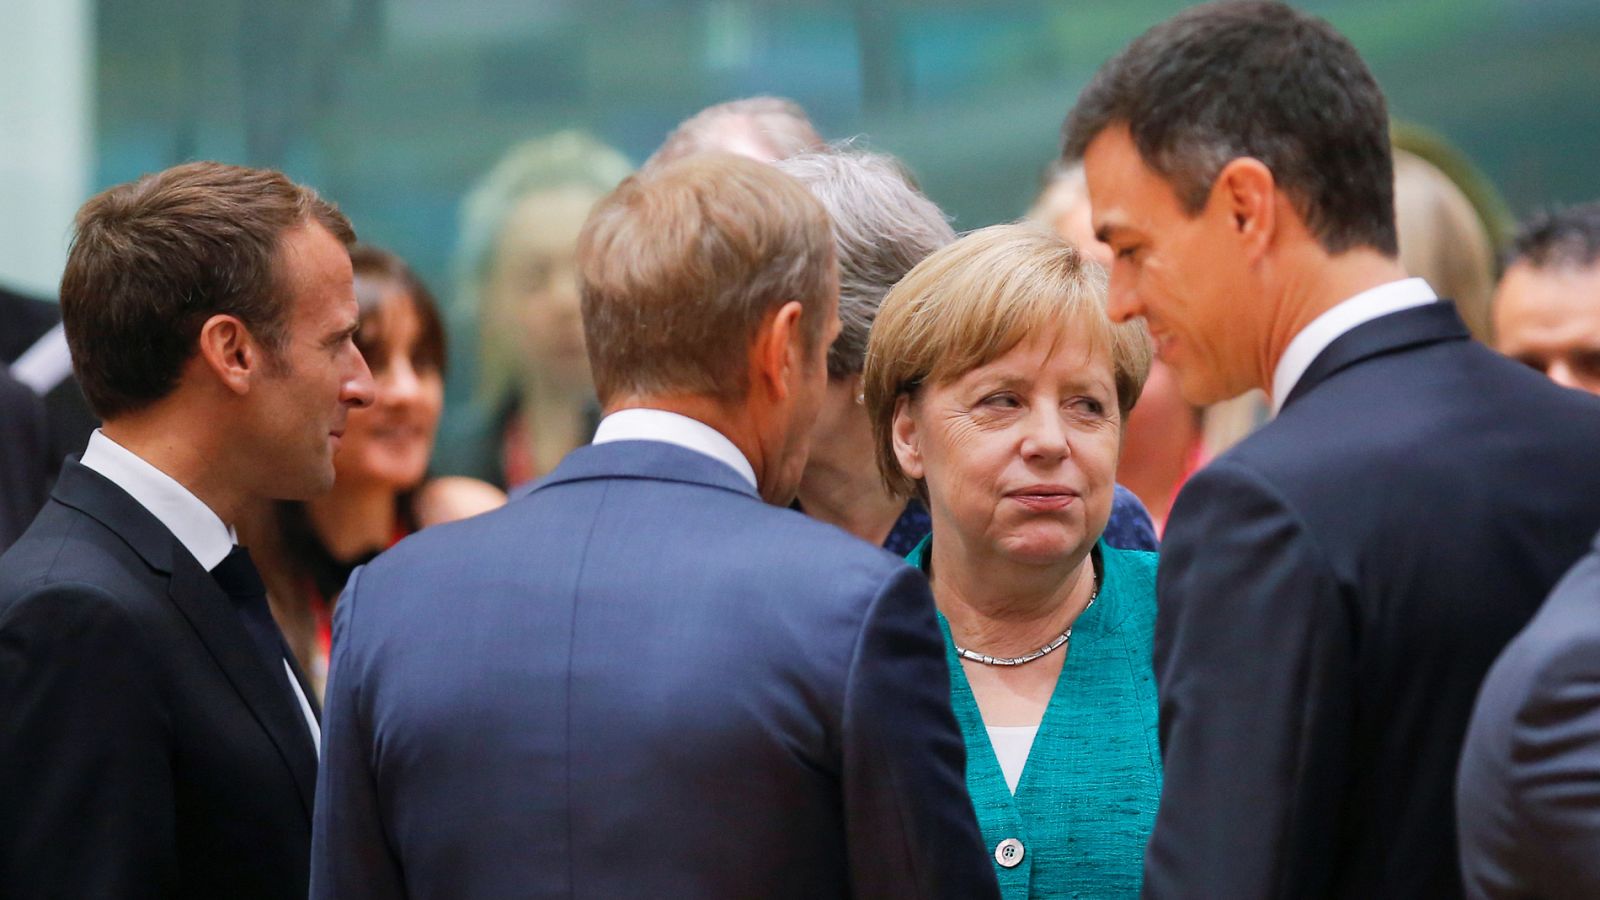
[[1122, 302], [357, 388]]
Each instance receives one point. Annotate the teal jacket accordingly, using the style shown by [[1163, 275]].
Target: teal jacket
[[1087, 798]]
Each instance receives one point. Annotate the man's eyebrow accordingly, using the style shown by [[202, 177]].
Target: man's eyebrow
[[1106, 232]]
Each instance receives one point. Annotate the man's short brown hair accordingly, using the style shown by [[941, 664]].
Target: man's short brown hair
[[681, 264], [153, 259]]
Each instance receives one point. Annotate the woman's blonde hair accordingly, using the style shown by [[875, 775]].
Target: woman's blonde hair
[[969, 303]]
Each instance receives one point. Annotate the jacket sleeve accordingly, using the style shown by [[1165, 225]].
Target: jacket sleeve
[[910, 827], [351, 855], [1254, 650], [86, 781], [1555, 751]]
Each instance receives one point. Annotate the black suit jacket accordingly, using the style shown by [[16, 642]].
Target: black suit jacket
[[1528, 800], [23, 320], [1332, 592], [146, 749], [24, 458]]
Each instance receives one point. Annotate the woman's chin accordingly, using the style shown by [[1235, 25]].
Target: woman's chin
[[1049, 548]]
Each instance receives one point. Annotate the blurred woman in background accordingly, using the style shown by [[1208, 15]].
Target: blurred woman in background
[[516, 315], [380, 492]]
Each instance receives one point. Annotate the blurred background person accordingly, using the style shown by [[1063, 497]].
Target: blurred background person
[[1443, 239], [33, 346], [25, 461], [1547, 308], [380, 492], [515, 316], [997, 388], [882, 227], [763, 128]]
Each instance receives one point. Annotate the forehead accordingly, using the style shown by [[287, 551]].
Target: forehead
[[315, 268], [1050, 354], [1556, 303], [545, 223], [1124, 192]]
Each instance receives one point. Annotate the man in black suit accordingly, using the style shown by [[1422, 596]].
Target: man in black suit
[[23, 457], [33, 347], [1332, 590], [156, 739]]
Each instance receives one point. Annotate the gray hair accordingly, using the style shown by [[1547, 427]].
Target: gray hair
[[778, 124], [882, 225]]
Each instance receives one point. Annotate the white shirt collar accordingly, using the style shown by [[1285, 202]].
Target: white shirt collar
[[672, 428], [200, 530], [1336, 321]]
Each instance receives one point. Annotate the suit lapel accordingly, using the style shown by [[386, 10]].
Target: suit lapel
[[1392, 333], [265, 691], [202, 601]]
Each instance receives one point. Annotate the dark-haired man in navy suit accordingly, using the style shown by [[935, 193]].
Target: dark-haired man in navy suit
[[1333, 589], [156, 737], [639, 679]]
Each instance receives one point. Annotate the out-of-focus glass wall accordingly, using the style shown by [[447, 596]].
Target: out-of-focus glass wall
[[394, 108]]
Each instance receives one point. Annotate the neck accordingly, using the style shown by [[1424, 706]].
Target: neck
[[1312, 284], [191, 455], [354, 518], [553, 420], [998, 607], [841, 485]]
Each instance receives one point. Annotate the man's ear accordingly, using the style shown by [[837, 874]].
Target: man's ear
[[1248, 194], [778, 350], [907, 439], [230, 352]]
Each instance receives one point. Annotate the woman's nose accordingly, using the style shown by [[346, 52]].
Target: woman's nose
[[1046, 435]]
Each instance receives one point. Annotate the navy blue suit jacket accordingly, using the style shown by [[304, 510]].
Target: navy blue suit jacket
[[1332, 592], [639, 680], [146, 748], [1528, 798]]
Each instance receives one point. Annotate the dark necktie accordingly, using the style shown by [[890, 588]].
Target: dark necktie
[[238, 577]]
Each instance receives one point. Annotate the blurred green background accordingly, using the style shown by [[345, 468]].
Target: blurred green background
[[394, 107]]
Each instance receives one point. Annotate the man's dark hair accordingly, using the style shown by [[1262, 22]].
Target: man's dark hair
[[1253, 79], [153, 259], [1568, 238]]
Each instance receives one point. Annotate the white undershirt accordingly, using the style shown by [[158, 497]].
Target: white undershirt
[[1336, 321], [1012, 744], [672, 428], [196, 526]]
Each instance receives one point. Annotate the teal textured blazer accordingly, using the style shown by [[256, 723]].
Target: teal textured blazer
[[1087, 798]]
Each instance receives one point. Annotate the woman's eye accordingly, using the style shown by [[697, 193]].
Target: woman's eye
[[1001, 401], [1089, 406]]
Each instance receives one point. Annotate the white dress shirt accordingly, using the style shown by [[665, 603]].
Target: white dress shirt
[[1332, 324], [1012, 744], [196, 526], [672, 428]]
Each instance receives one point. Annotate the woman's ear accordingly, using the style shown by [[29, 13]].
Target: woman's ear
[[230, 352], [907, 438]]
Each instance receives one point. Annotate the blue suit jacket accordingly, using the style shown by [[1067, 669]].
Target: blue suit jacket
[[640, 680], [1331, 594], [1527, 798]]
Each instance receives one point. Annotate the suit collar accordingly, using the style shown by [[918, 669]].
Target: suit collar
[[97, 497], [209, 611], [651, 460], [1414, 327]]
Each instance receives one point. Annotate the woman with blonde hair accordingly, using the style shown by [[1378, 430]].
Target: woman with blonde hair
[[516, 311], [997, 388]]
